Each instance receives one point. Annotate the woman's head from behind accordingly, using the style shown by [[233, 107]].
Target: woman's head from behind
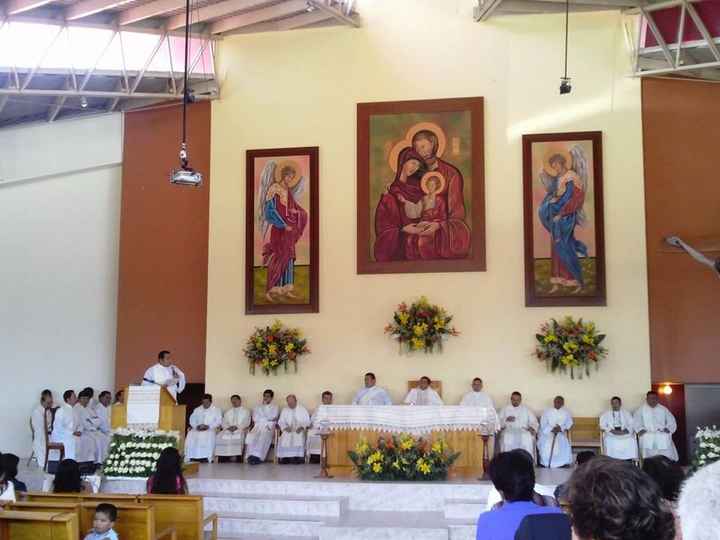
[[67, 477], [167, 471], [513, 475], [668, 475]]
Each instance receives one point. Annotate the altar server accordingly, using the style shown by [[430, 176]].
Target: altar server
[[423, 394], [164, 373], [554, 425], [655, 425], [618, 432], [258, 441], [103, 411], [91, 425], [67, 430], [235, 425], [314, 442], [476, 397], [40, 418], [204, 423], [518, 425], [293, 422], [372, 394]]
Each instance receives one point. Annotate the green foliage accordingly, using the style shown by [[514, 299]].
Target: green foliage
[[570, 344], [422, 326], [274, 346]]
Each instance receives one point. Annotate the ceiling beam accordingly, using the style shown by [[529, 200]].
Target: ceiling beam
[[614, 4], [85, 8], [157, 8], [259, 15], [305, 19], [334, 13], [213, 11], [521, 7], [13, 7]]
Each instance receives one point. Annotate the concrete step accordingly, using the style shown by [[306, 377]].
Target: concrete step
[[382, 533], [462, 532], [466, 510], [332, 507], [387, 526], [242, 525]]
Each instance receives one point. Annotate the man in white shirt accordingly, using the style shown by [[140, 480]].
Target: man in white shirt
[[293, 422], [423, 394], [41, 419], [618, 432], [260, 438], [67, 430], [91, 424], [477, 398], [372, 394], [553, 443], [314, 442], [103, 411], [230, 442], [204, 423], [164, 373], [519, 426], [655, 425]]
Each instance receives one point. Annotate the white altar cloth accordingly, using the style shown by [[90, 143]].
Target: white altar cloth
[[415, 420]]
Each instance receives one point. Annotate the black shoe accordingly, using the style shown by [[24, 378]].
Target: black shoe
[[315, 459], [298, 461], [254, 460]]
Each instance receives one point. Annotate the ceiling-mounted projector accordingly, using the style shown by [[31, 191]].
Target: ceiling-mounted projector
[[186, 177]]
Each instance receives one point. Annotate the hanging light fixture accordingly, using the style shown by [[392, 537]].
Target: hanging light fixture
[[666, 389], [565, 86]]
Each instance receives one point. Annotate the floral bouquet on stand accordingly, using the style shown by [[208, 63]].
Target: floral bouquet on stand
[[421, 326], [570, 344], [707, 450], [134, 453], [275, 346]]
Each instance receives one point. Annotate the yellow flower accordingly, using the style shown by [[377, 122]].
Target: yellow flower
[[396, 465], [374, 457], [265, 363], [568, 360], [259, 342], [438, 447], [417, 343], [289, 347], [588, 340], [570, 346], [277, 325], [404, 317], [377, 468], [420, 329], [407, 444], [589, 327], [362, 447], [422, 466], [272, 349], [550, 338]]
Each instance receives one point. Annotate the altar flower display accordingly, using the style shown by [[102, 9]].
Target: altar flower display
[[134, 453], [707, 450], [570, 344], [421, 326], [274, 346], [403, 457]]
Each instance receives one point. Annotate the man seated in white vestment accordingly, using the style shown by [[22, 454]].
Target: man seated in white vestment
[[519, 426], [477, 398], [294, 421], [618, 432], [88, 390], [41, 419], [655, 425], [67, 429], [553, 443], [104, 411], [372, 394], [423, 394], [204, 423], [260, 438], [91, 425], [166, 374], [314, 442], [230, 442]]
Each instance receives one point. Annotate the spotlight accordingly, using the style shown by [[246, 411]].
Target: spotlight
[[83, 102], [565, 86], [666, 389]]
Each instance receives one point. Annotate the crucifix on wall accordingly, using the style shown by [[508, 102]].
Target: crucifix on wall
[[711, 245]]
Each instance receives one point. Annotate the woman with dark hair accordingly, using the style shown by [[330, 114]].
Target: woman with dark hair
[[168, 478], [9, 463], [7, 490], [68, 479], [668, 475]]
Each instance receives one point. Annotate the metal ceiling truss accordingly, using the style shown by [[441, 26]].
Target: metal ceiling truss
[[490, 8]]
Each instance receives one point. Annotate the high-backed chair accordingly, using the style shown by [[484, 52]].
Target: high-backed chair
[[49, 446], [586, 433], [435, 385]]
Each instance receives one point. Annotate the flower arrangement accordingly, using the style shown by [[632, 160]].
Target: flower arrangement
[[707, 450], [402, 457], [133, 453], [420, 326], [570, 344], [275, 346]]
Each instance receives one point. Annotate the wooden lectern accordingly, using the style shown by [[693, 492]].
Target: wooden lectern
[[172, 415]]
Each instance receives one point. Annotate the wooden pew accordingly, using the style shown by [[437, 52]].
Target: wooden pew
[[38, 526]]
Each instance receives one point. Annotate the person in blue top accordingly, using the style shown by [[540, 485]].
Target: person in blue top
[[103, 523], [513, 476]]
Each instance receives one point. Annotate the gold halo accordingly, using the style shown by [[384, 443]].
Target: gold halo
[[426, 178], [430, 126], [288, 163], [551, 152], [395, 153]]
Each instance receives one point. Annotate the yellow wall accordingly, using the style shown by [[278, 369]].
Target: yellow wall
[[300, 89]]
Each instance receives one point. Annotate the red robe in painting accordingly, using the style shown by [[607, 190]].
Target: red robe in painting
[[279, 251]]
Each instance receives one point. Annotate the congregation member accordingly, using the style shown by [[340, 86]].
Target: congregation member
[[423, 394], [618, 430], [90, 424], [372, 394], [314, 442], [669, 477], [293, 422], [476, 397], [553, 443], [168, 478], [165, 374], [698, 504], [67, 430], [103, 523], [519, 426], [260, 438], [204, 423], [103, 411], [7, 488], [655, 425], [120, 397], [68, 479], [9, 464], [41, 420], [542, 495], [230, 442]]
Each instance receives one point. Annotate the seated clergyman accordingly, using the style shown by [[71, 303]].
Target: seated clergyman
[[314, 443], [204, 423], [372, 394], [618, 430], [553, 443], [423, 394], [260, 438], [655, 426], [230, 441], [519, 426], [293, 422]]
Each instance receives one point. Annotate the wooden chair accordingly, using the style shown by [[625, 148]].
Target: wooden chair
[[16, 525], [435, 385], [586, 433], [50, 446], [32, 454]]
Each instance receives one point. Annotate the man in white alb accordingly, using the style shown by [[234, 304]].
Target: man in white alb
[[553, 443], [103, 411], [655, 425], [294, 420], [41, 420], [260, 438], [423, 394], [164, 373], [618, 432], [230, 442], [519, 426], [477, 398], [91, 424], [66, 430], [314, 442], [372, 394], [204, 423]]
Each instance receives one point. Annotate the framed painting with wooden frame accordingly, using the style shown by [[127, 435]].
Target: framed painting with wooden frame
[[420, 186], [281, 235], [563, 218]]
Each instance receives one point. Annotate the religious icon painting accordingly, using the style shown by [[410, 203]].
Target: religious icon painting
[[563, 203], [281, 237], [420, 175]]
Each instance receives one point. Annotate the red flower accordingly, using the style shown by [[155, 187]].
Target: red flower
[[270, 339]]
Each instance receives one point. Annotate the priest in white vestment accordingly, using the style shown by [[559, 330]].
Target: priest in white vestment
[[91, 426], [477, 398], [294, 421], [230, 442], [164, 373], [204, 424], [104, 411], [519, 426], [655, 425], [41, 419], [372, 394], [423, 394], [67, 430], [314, 442], [260, 438], [554, 425], [618, 432]]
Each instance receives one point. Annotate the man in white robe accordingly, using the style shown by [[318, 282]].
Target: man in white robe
[[164, 373], [204, 424], [618, 432], [260, 438], [41, 419], [372, 394], [91, 424], [554, 425], [293, 422], [67, 430], [519, 426], [423, 394], [314, 442], [655, 425], [230, 442], [477, 398], [103, 412]]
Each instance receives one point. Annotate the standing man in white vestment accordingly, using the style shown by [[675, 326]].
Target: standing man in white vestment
[[314, 442], [423, 394], [204, 423], [260, 438], [103, 411], [66, 430], [372, 394], [230, 442], [294, 420], [477, 398], [618, 432], [91, 425], [655, 425], [164, 373], [519, 426], [40, 418], [554, 426]]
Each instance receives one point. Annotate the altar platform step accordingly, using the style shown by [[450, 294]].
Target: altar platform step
[[464, 509], [388, 526], [240, 526], [321, 507]]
